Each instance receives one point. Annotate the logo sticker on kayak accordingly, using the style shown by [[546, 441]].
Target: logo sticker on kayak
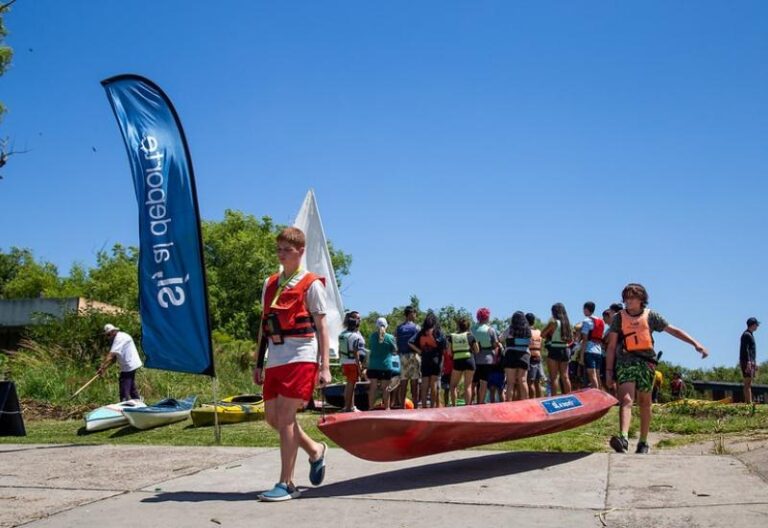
[[563, 403]]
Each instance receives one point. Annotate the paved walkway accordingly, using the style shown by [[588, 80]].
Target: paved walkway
[[132, 486]]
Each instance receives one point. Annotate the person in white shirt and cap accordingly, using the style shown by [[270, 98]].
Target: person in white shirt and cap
[[123, 351]]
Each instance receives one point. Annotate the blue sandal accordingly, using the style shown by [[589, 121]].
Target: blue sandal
[[317, 468]]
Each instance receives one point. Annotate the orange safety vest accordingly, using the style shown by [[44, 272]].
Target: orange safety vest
[[295, 320], [636, 332], [535, 340]]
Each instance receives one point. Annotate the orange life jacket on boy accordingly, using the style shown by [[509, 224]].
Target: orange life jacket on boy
[[535, 345], [596, 335], [636, 331], [290, 308]]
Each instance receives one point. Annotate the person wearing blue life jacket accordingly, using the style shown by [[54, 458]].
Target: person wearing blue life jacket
[[517, 357]]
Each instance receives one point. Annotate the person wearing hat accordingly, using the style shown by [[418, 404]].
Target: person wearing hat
[[748, 357], [382, 346], [123, 351]]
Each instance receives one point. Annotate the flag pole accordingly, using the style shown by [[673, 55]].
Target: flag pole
[[216, 427]]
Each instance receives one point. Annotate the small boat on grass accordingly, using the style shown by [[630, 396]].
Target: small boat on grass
[[384, 436], [110, 416], [164, 412], [334, 394], [234, 409]]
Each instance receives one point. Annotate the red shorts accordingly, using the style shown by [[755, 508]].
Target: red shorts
[[293, 380], [351, 373]]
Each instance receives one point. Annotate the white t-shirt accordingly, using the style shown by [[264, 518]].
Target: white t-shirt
[[356, 343], [125, 350], [298, 349]]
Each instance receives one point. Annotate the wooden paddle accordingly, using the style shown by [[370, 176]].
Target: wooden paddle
[[84, 386]]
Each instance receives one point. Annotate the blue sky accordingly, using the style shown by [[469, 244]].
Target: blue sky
[[500, 154]]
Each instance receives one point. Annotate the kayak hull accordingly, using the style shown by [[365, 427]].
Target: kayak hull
[[384, 436], [164, 412], [234, 409], [110, 416]]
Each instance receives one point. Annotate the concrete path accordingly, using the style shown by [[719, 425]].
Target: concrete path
[[115, 486]]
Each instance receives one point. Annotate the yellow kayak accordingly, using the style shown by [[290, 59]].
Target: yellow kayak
[[234, 409]]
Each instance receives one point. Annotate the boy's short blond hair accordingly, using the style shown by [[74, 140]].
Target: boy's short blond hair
[[293, 236]]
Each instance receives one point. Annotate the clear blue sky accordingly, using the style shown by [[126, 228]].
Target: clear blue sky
[[505, 154]]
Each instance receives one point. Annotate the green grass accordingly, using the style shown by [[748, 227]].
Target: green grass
[[690, 424], [49, 376]]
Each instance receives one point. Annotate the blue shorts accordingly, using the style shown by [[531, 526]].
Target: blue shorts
[[496, 379], [593, 361]]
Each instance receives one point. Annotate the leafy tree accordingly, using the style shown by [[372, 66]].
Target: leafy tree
[[10, 263], [23, 277], [6, 53], [239, 256], [114, 280]]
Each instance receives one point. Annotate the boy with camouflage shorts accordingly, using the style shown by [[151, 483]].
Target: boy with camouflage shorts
[[634, 367]]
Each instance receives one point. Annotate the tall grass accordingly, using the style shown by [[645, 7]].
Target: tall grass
[[51, 374]]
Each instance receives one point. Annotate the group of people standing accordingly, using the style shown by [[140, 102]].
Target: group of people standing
[[492, 365], [614, 352]]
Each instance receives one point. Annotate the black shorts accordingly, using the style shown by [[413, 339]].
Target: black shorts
[[481, 373], [431, 364], [464, 364], [560, 354], [748, 368], [515, 359], [379, 374]]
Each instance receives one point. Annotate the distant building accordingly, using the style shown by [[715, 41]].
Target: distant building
[[18, 314]]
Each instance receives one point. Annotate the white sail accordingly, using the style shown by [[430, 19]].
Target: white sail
[[317, 259]]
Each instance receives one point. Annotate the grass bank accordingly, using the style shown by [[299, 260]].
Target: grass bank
[[687, 423]]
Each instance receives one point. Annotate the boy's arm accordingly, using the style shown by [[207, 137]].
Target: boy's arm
[[322, 348], [683, 336]]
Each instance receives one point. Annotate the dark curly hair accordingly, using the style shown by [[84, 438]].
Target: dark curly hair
[[636, 290]]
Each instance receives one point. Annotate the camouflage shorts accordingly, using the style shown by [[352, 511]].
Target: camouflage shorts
[[641, 373], [410, 367]]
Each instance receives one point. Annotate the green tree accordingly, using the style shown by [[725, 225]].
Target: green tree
[[22, 277], [10, 264], [239, 256], [114, 280], [6, 53]]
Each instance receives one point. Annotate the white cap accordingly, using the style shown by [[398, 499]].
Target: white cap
[[110, 328], [381, 323]]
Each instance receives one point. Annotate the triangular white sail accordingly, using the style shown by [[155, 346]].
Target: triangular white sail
[[317, 259]]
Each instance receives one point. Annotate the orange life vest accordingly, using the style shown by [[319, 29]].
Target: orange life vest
[[535, 345], [636, 331], [596, 335], [290, 308]]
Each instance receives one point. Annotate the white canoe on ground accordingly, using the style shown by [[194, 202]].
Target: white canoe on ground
[[110, 415], [164, 412]]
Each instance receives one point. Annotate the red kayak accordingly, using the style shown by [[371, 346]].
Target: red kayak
[[384, 436]]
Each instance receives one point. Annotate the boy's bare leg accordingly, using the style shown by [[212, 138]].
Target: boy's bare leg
[[626, 392]]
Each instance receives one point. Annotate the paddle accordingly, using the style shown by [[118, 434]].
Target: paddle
[[84, 386]]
